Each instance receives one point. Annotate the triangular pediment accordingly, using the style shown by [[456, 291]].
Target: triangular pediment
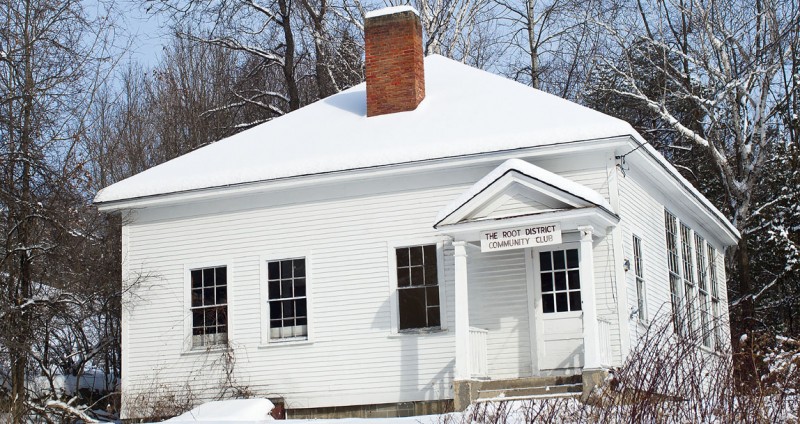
[[517, 188]]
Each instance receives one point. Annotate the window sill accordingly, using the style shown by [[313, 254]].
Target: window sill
[[290, 342], [417, 332], [205, 349]]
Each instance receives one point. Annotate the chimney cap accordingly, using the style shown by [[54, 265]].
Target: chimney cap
[[391, 10]]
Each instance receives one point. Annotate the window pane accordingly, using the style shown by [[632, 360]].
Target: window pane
[[274, 310], [300, 307], [415, 255], [575, 301], [403, 277], [276, 323], [412, 308], [544, 261], [286, 269], [430, 265], [300, 287], [433, 317], [558, 260], [302, 321], [547, 282], [432, 296], [572, 258], [197, 278], [561, 280], [561, 302], [222, 295], [273, 270], [222, 276], [222, 316], [197, 297], [548, 305], [274, 289], [288, 308], [208, 296], [208, 277], [209, 317], [299, 268], [417, 276], [197, 318], [574, 279], [286, 288], [402, 256]]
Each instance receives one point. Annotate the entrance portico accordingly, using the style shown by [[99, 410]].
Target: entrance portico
[[556, 224]]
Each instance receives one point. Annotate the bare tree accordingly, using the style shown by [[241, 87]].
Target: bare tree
[[729, 62], [53, 54]]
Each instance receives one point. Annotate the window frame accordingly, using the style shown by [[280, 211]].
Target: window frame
[[264, 259], [674, 271], [716, 304], [564, 247], [188, 343], [703, 290], [394, 321], [639, 278], [689, 273]]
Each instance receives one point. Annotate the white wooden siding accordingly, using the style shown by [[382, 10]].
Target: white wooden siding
[[351, 358], [642, 213]]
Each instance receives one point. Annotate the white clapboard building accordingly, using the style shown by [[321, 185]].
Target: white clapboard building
[[436, 233]]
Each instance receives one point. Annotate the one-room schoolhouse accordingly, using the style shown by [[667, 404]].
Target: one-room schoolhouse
[[436, 234]]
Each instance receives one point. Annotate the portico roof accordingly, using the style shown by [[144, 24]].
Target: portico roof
[[522, 193]]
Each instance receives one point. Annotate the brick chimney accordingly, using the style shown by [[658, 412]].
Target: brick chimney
[[395, 72]]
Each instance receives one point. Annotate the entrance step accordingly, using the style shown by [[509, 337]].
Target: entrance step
[[528, 388]]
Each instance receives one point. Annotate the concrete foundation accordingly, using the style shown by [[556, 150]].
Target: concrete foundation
[[591, 380], [384, 410]]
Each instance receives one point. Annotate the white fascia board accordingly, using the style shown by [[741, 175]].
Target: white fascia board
[[599, 218], [577, 146], [669, 180]]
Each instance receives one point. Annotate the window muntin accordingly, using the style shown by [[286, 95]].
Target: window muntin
[[702, 289], [209, 306], [287, 299], [560, 281], [418, 287], [675, 289], [638, 267], [688, 275]]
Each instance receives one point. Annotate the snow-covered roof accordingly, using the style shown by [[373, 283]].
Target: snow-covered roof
[[532, 171], [390, 11], [465, 111]]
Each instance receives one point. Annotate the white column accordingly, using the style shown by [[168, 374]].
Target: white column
[[591, 342], [462, 368]]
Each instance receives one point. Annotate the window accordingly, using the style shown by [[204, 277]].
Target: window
[[418, 287], [561, 281], [209, 306], [671, 225], [638, 267], [688, 275], [287, 299], [702, 287], [715, 305]]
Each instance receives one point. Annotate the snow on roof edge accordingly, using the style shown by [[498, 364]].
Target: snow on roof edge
[[390, 11], [530, 170]]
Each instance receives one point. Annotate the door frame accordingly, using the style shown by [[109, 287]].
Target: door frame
[[534, 292]]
